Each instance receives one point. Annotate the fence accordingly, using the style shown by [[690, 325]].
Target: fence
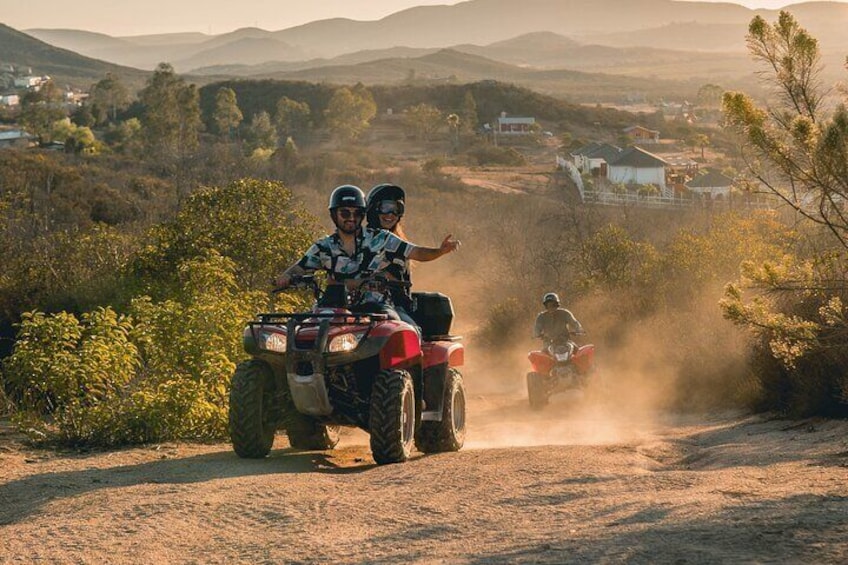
[[602, 197]]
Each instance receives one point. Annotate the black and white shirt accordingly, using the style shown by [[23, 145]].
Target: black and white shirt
[[375, 251]]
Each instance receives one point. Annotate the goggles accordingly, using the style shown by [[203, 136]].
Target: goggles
[[390, 207]]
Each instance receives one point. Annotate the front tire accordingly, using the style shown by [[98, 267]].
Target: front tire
[[536, 391], [449, 434], [392, 418], [251, 418]]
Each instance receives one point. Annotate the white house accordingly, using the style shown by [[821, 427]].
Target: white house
[[712, 182], [641, 134], [30, 81], [9, 99], [16, 138], [514, 126], [599, 157], [637, 166]]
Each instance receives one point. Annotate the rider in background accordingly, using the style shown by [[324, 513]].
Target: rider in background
[[353, 252], [555, 325]]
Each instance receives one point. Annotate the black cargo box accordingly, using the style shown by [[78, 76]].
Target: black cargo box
[[433, 312]]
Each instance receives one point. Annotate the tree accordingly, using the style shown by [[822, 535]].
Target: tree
[[107, 98], [792, 149], [454, 124], [287, 159], [76, 138], [701, 140], [41, 108], [261, 133], [257, 224], [709, 96], [125, 137], [798, 153], [227, 116], [468, 114], [292, 117], [171, 116], [350, 112], [423, 120]]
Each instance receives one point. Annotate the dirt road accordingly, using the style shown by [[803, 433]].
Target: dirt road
[[593, 486]]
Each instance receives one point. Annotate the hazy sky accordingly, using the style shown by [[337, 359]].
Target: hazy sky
[[209, 16]]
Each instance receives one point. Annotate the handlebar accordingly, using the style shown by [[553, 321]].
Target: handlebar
[[300, 282], [355, 288]]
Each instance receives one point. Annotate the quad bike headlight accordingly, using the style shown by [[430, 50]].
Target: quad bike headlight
[[273, 341], [344, 342]]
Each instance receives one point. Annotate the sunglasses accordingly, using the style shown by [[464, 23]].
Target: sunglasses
[[390, 207], [348, 213]]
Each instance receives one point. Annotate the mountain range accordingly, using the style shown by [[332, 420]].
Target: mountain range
[[532, 41], [665, 24]]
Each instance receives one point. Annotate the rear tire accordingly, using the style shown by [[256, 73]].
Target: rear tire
[[309, 435], [536, 392], [251, 418], [392, 418], [449, 434]]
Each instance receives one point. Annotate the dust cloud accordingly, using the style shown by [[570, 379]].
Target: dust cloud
[[659, 369]]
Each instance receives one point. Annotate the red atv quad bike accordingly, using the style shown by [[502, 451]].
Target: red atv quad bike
[[558, 367], [351, 364]]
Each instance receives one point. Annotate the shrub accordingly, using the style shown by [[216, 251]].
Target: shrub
[[161, 374], [796, 311], [505, 320]]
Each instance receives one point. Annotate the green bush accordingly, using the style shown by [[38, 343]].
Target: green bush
[[506, 321], [257, 224], [796, 312], [161, 373]]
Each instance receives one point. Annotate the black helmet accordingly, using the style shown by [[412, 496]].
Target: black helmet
[[347, 195], [384, 191], [550, 297], [377, 194]]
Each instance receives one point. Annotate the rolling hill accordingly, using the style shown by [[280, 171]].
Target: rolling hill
[[453, 66], [514, 61], [666, 24], [21, 50]]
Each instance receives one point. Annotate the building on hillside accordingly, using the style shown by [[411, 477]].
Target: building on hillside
[[30, 81], [637, 166], [10, 100], [641, 134], [505, 125], [16, 138], [595, 157], [711, 183]]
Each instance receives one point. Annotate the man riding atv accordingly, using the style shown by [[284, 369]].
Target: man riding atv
[[349, 360], [555, 325], [354, 252], [560, 365]]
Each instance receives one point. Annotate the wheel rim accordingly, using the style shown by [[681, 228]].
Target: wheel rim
[[458, 411], [407, 417]]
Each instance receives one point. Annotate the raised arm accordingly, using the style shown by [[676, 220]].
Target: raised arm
[[424, 254]]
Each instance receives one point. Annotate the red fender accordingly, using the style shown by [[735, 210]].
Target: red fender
[[403, 349], [584, 358], [443, 352], [542, 362]]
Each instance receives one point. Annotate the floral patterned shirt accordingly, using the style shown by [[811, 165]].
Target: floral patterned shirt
[[376, 251]]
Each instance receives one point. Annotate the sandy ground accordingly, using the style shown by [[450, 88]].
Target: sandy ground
[[573, 484]]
